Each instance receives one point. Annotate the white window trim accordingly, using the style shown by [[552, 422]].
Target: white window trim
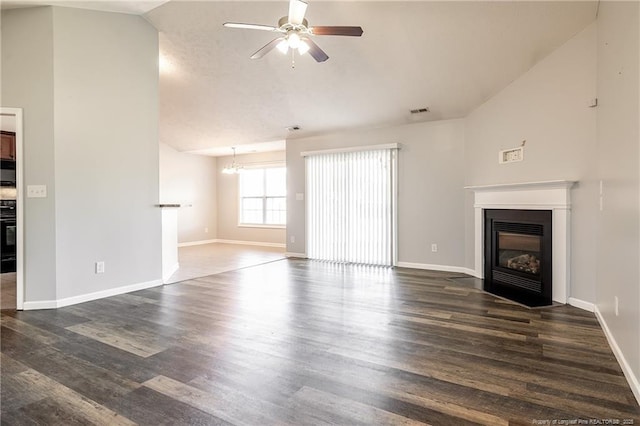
[[269, 165]]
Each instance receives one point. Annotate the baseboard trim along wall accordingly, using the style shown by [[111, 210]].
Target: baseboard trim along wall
[[587, 306], [197, 243], [244, 243], [296, 255], [431, 267], [74, 300], [633, 381], [252, 243]]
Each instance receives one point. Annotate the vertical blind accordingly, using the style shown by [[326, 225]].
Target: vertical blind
[[350, 207]]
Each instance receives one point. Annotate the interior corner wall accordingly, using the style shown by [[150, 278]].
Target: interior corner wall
[[190, 179], [548, 107], [106, 151], [430, 188], [618, 148], [228, 201], [27, 83]]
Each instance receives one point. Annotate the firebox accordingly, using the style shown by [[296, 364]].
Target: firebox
[[517, 255]]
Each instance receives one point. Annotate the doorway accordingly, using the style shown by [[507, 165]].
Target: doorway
[[351, 205], [11, 209]]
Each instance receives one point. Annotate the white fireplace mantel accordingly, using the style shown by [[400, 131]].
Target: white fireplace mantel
[[547, 195]]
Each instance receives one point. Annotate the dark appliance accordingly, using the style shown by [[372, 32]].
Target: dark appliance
[[8, 236], [7, 173], [518, 255]]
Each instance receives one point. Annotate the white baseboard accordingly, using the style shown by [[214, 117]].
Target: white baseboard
[[40, 304], [74, 300], [244, 243], [470, 271], [251, 243], [431, 267], [298, 255], [633, 381], [587, 306], [197, 243]]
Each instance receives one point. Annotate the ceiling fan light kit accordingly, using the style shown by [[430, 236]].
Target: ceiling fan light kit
[[296, 34]]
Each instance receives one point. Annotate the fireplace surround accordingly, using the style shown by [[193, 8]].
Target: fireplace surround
[[548, 195]]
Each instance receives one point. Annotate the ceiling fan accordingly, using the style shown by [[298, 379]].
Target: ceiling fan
[[296, 33]]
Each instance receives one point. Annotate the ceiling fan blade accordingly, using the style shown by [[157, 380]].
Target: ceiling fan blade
[[297, 9], [250, 26], [267, 48], [315, 51], [337, 31]]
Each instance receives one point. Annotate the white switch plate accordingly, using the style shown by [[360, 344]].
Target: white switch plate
[[99, 267], [299, 196], [36, 191], [434, 247]]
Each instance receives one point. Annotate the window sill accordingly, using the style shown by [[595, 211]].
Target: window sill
[[257, 225]]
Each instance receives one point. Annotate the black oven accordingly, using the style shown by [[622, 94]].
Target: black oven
[[7, 173], [8, 236]]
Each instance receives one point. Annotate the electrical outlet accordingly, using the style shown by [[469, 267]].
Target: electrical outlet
[[292, 239], [100, 267], [206, 230], [615, 305], [434, 247]]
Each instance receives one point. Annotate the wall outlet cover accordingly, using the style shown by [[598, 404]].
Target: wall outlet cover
[[36, 191]]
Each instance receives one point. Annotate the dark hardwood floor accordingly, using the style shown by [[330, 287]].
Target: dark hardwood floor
[[301, 342]]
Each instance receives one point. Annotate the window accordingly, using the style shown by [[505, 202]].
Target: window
[[263, 196]]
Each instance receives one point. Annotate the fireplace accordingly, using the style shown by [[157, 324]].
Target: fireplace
[[554, 196], [517, 253]]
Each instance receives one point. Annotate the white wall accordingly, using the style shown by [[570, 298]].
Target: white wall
[[547, 107], [88, 83], [191, 179], [430, 181], [27, 83], [228, 199], [618, 148]]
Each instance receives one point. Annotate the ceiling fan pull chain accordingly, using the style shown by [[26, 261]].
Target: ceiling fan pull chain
[[293, 59]]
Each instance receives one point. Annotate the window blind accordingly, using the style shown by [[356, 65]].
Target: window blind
[[350, 206]]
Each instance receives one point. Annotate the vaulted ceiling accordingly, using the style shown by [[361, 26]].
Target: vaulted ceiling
[[448, 56]]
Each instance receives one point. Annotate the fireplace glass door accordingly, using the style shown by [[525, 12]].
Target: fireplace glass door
[[519, 252]]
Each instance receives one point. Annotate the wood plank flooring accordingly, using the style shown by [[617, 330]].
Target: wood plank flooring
[[297, 342]]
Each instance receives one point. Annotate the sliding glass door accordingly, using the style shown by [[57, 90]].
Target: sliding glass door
[[350, 206]]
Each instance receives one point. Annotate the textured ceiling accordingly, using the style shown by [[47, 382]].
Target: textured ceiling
[[448, 56]]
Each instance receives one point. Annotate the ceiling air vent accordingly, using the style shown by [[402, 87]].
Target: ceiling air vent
[[293, 128], [419, 110]]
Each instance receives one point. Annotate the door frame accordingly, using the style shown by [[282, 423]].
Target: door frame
[[16, 113]]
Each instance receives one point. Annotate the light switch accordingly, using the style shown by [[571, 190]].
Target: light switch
[[299, 196], [36, 191]]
